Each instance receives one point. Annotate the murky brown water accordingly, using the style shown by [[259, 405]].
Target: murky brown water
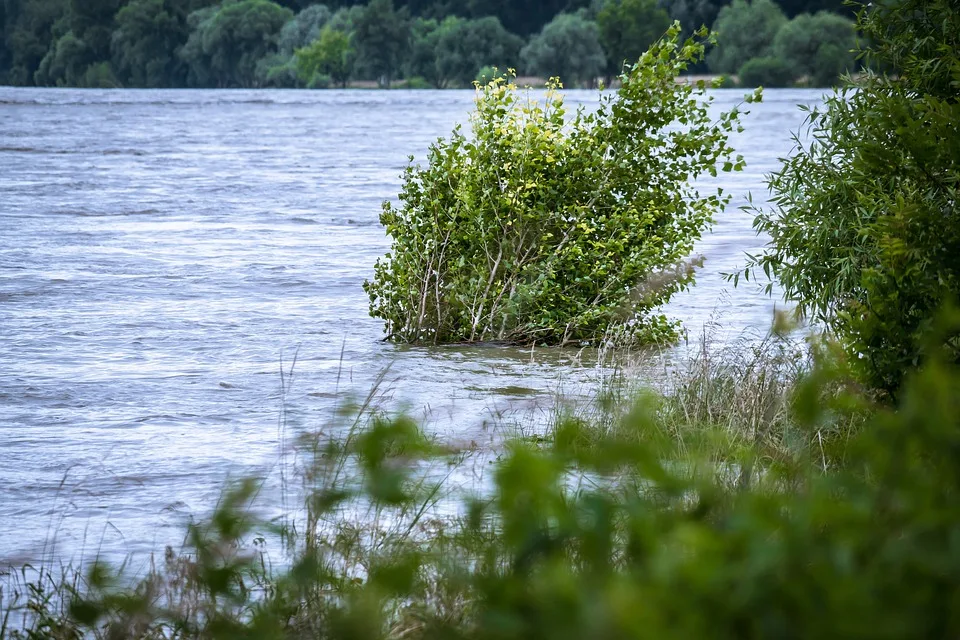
[[163, 251]]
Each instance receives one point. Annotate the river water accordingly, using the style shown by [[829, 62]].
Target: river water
[[163, 252]]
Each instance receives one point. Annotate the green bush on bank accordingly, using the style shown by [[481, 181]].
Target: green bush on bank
[[756, 39], [768, 71], [547, 229], [819, 47], [865, 228]]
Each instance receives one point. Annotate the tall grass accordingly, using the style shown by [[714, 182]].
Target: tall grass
[[756, 495]]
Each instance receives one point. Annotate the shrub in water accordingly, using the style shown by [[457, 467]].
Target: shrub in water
[[548, 229]]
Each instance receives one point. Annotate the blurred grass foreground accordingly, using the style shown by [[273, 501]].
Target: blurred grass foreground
[[761, 495]]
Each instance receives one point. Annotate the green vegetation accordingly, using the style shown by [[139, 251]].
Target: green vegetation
[[330, 55], [452, 52], [568, 48], [764, 492], [253, 43], [228, 41], [543, 229], [627, 28], [864, 233], [813, 513], [758, 43], [768, 71], [819, 47], [745, 30]]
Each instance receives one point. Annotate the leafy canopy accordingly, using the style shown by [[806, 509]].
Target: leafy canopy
[[227, 41], [819, 46], [627, 28], [331, 54], [768, 71], [549, 229], [382, 36], [143, 44], [745, 30], [568, 48], [865, 228]]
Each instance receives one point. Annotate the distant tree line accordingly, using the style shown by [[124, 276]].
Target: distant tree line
[[428, 43]]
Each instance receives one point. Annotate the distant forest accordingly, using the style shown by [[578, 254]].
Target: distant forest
[[416, 43]]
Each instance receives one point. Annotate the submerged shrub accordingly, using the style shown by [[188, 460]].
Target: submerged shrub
[[548, 229]]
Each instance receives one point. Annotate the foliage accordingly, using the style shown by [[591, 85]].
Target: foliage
[[794, 8], [345, 19], [540, 229], [381, 36], [568, 48], [692, 14], [155, 43], [143, 44], [819, 46], [65, 64], [422, 58], [330, 55], [226, 42], [634, 531], [465, 46], [192, 53], [276, 70], [745, 29], [768, 71], [28, 32], [864, 234], [452, 52], [627, 28], [486, 75], [78, 44], [92, 22], [523, 17], [303, 29]]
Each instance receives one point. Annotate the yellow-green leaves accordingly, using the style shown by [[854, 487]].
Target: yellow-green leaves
[[540, 226]]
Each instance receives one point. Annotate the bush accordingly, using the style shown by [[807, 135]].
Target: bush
[[100, 76], [766, 72], [745, 30], [817, 46], [486, 75], [865, 233], [331, 55], [465, 46], [540, 229], [416, 82], [568, 47], [320, 81], [278, 71]]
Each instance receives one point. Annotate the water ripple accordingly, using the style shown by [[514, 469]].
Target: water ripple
[[165, 251]]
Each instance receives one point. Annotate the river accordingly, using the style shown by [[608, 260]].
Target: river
[[163, 252]]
